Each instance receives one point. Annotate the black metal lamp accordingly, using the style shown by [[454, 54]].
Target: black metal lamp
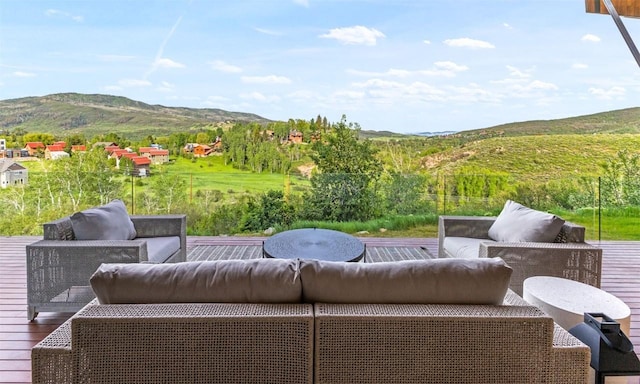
[[612, 352]]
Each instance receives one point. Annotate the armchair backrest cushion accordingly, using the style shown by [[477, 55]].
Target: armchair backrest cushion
[[435, 281], [517, 223], [108, 222], [224, 281]]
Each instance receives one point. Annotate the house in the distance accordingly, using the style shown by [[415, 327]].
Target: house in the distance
[[78, 148], [141, 166], [118, 153], [12, 173], [33, 147], [295, 136], [157, 156], [55, 152], [217, 145], [198, 150]]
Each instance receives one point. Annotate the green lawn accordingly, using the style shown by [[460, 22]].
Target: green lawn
[[211, 173]]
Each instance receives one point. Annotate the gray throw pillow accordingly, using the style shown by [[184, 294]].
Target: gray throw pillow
[[517, 223], [436, 281], [222, 281], [108, 222]]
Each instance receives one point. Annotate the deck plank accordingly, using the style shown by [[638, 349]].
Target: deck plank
[[620, 267]]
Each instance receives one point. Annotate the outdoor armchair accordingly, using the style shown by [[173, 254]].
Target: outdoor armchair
[[569, 256], [59, 266]]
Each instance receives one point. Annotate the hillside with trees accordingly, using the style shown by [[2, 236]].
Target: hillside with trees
[[317, 173]]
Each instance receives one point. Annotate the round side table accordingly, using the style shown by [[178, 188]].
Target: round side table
[[566, 301]]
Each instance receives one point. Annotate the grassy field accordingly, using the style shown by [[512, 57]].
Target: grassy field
[[212, 174]]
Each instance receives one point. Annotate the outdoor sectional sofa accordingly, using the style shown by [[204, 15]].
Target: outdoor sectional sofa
[[531, 242], [304, 321]]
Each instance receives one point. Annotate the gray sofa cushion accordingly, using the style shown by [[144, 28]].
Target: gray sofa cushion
[[108, 222], [439, 281], [225, 281], [463, 247], [517, 223], [159, 249]]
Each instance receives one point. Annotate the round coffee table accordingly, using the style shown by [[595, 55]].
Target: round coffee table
[[566, 301], [312, 243]]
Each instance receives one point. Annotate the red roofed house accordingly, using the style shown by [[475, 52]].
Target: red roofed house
[[141, 166], [33, 147], [202, 150], [117, 153], [109, 149], [78, 148], [157, 156], [55, 152]]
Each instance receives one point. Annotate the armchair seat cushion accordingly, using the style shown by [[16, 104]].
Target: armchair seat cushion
[[159, 249], [463, 247]]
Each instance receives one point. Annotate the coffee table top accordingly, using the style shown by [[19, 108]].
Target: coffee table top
[[313, 243]]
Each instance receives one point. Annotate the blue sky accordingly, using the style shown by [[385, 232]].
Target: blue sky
[[403, 66]]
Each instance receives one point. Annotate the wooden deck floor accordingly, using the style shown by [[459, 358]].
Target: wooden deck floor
[[621, 277]]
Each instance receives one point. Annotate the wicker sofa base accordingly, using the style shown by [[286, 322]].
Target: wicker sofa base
[[305, 343]]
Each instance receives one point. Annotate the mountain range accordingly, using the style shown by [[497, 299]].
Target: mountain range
[[92, 114], [66, 113]]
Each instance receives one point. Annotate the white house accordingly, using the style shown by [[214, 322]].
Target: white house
[[12, 173]]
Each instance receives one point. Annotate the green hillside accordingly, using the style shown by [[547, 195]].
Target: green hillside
[[68, 113], [536, 157], [619, 121]]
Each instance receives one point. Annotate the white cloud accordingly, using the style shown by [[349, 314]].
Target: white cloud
[[579, 66], [357, 35], [23, 74], [466, 42], [608, 94], [528, 89], [165, 87], [134, 83], [167, 63], [222, 66], [159, 61], [378, 83], [354, 95], [450, 66], [56, 13], [271, 79], [472, 94], [516, 72], [590, 38], [537, 84], [302, 95], [304, 3], [257, 96], [507, 25], [441, 68], [426, 42]]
